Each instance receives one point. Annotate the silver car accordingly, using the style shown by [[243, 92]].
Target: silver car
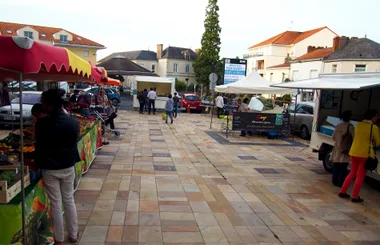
[[301, 118], [10, 115]]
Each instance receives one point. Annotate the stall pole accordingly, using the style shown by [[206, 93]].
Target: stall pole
[[212, 109], [22, 163], [295, 115], [228, 114]]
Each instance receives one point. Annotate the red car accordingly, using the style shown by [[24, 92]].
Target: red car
[[191, 100]]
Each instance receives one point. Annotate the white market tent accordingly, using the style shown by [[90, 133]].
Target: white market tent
[[252, 84], [336, 81]]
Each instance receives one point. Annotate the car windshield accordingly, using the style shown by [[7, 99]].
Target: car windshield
[[192, 98], [28, 99]]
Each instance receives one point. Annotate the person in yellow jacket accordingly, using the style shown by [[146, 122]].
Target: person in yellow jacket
[[361, 149]]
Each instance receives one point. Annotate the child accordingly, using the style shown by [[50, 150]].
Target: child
[[169, 105], [111, 114]]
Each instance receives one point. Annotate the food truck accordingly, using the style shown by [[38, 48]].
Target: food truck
[[336, 93], [164, 86]]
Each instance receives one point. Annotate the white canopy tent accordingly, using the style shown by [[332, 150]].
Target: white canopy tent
[[336, 81], [252, 84]]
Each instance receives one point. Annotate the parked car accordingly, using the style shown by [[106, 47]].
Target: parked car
[[112, 94], [191, 100], [301, 118], [10, 115]]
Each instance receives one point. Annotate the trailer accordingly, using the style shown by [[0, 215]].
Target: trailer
[[336, 93], [163, 85]]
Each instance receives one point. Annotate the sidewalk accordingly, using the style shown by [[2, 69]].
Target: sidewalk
[[181, 184]]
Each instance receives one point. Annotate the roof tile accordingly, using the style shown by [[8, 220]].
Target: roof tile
[[289, 37], [6, 27], [285, 65], [316, 54]]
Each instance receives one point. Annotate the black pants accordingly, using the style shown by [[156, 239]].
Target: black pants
[[152, 104], [220, 112], [110, 122], [339, 173], [142, 104], [146, 105]]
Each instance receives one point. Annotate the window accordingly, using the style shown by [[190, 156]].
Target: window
[[193, 98], [63, 38], [85, 53], [334, 68], [360, 68], [291, 108], [28, 34], [153, 68], [187, 68], [175, 68]]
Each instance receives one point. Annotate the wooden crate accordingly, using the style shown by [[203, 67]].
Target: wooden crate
[[8, 193]]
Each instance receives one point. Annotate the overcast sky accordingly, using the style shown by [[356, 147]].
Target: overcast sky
[[124, 25]]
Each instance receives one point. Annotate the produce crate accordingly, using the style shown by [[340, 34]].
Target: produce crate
[[8, 193]]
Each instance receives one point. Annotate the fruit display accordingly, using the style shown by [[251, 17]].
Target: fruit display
[[9, 177]]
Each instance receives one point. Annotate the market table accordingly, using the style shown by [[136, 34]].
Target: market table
[[37, 206]]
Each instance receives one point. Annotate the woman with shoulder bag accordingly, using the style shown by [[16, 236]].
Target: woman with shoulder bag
[[362, 154], [343, 137]]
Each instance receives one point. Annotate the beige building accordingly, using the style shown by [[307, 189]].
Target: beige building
[[271, 57], [81, 46], [172, 62]]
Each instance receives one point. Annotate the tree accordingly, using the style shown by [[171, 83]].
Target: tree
[[180, 85], [208, 58]]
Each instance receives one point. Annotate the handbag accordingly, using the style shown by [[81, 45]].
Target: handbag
[[346, 142], [372, 162]]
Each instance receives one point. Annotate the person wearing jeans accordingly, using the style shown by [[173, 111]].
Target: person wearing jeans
[[366, 136], [56, 154], [169, 109], [176, 102]]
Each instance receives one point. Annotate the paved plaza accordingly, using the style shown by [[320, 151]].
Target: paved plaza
[[187, 184]]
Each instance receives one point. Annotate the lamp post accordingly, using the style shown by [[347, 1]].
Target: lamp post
[[187, 83]]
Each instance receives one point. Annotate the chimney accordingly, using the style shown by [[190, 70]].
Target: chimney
[[159, 50], [197, 50], [336, 43], [311, 49], [343, 41]]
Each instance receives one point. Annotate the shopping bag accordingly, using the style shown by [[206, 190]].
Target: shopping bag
[[163, 115]]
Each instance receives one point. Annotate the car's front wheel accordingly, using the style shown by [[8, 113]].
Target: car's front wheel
[[115, 102], [304, 132], [327, 162]]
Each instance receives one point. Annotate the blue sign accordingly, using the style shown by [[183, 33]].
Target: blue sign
[[234, 70]]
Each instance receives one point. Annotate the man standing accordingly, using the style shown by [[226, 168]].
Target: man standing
[[56, 154], [219, 101], [176, 102], [74, 98], [152, 99], [146, 103]]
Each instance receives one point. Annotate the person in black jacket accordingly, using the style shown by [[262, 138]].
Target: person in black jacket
[[56, 154]]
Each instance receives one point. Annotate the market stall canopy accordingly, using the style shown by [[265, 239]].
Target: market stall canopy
[[341, 81], [98, 74], [39, 62], [252, 84]]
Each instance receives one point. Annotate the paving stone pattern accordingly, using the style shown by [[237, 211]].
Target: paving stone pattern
[[176, 184]]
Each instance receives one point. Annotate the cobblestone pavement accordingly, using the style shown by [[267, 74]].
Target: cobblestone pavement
[[182, 184]]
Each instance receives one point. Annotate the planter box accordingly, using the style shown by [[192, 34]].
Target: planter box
[[8, 193]]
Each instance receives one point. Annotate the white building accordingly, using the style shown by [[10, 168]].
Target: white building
[[275, 52]]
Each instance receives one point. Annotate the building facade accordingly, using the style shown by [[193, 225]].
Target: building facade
[[276, 52], [173, 62], [81, 46]]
